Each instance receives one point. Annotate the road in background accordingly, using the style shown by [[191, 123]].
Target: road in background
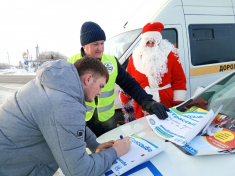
[[9, 84], [21, 79]]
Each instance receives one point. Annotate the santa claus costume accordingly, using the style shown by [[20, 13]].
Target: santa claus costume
[[157, 69]]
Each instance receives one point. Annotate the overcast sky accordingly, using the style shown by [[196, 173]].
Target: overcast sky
[[54, 25]]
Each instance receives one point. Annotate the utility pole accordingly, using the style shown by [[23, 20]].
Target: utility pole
[[28, 54], [37, 52], [7, 56]]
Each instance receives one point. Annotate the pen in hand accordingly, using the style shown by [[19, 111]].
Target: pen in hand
[[121, 137]]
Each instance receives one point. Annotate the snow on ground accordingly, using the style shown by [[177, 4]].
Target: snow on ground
[[15, 71]]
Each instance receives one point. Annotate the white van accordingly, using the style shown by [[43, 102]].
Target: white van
[[203, 30]]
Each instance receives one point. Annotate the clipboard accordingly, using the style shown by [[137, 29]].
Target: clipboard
[[212, 118]]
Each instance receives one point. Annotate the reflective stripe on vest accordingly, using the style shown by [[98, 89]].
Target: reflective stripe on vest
[[101, 109], [105, 106], [90, 108], [106, 94]]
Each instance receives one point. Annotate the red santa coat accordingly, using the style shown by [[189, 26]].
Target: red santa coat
[[170, 96]]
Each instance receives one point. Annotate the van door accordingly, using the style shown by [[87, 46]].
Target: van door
[[211, 42]]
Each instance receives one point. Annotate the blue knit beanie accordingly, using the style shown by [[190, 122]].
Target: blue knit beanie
[[91, 32]]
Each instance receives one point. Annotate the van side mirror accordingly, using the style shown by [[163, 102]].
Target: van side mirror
[[198, 90]]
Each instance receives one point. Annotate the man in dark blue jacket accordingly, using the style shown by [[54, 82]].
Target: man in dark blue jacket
[[100, 113]]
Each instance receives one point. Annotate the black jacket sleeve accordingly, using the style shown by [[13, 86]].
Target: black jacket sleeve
[[131, 86]]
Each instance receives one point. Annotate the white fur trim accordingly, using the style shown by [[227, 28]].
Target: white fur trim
[[153, 92], [147, 90], [152, 35], [137, 61], [179, 95]]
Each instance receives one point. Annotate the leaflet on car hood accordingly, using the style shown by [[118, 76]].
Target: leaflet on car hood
[[140, 151], [218, 139], [180, 127]]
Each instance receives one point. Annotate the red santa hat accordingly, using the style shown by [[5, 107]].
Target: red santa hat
[[152, 31]]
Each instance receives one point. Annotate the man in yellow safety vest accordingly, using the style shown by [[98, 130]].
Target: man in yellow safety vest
[[100, 113]]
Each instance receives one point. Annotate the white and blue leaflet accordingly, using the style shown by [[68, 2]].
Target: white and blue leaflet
[[179, 128], [140, 151]]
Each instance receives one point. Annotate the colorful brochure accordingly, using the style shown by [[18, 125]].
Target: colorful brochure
[[140, 151], [180, 127], [219, 137]]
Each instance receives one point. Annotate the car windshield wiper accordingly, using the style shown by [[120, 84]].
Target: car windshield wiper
[[181, 107]]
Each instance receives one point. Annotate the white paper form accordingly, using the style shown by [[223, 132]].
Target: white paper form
[[140, 151], [179, 127]]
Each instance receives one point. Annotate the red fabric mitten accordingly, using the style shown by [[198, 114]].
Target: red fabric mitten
[[124, 97]]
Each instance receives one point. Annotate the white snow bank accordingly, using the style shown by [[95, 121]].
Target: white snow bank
[[15, 71]]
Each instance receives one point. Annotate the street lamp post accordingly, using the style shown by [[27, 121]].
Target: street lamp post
[[37, 51], [7, 56]]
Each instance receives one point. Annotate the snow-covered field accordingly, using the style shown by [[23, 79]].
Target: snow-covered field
[[15, 71]]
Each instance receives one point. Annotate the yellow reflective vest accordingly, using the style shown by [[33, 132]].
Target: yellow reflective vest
[[105, 106]]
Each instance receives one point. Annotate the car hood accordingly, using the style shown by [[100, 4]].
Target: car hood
[[172, 161]]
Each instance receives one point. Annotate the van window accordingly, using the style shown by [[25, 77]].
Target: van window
[[171, 36], [212, 43], [117, 45]]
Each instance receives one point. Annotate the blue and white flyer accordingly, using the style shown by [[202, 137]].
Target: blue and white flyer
[[140, 151], [218, 138], [180, 127]]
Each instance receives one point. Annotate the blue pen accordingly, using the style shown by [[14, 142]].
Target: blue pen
[[121, 137]]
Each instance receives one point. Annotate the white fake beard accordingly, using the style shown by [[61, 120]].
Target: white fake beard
[[155, 62], [151, 61]]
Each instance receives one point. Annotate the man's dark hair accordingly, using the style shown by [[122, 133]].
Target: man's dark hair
[[91, 65]]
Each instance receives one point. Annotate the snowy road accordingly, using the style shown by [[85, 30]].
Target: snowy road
[[9, 84], [21, 79]]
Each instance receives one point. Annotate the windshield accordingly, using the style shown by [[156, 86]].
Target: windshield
[[118, 44], [222, 93]]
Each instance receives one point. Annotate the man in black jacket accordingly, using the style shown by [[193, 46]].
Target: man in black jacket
[[100, 113]]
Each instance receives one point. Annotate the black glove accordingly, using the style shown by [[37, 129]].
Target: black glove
[[153, 107]]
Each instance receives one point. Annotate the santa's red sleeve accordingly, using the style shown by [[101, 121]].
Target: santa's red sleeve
[[178, 79], [124, 98], [130, 66]]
